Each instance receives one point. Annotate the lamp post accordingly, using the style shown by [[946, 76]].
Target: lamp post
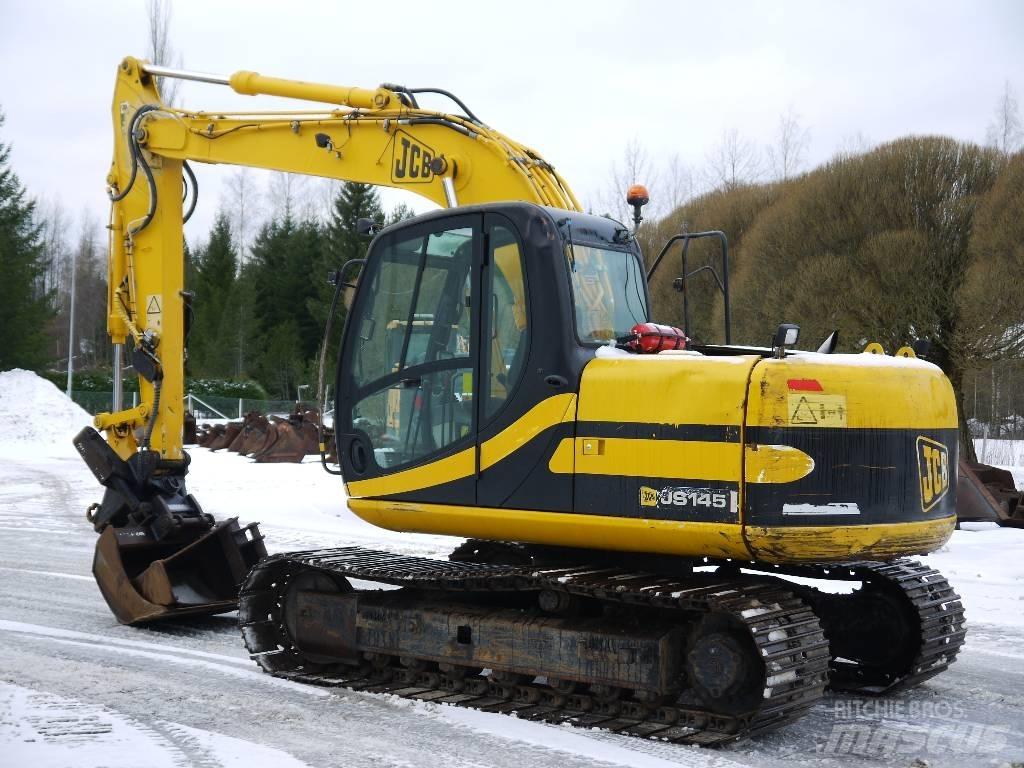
[[71, 324]]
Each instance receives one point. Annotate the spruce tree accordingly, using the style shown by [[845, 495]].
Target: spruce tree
[[25, 306], [219, 262], [354, 201], [285, 281], [215, 276], [342, 243]]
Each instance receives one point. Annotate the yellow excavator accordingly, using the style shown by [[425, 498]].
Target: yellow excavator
[[635, 504]]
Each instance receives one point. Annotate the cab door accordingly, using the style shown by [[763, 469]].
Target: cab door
[[526, 404], [406, 410]]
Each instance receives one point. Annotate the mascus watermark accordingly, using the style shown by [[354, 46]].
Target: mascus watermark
[[882, 728]]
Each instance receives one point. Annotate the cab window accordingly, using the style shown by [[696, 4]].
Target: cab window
[[413, 361], [507, 320], [608, 292]]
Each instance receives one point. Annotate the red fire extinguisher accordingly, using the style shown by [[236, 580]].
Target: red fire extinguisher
[[649, 338]]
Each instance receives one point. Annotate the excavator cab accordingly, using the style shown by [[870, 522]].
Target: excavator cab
[[467, 323]]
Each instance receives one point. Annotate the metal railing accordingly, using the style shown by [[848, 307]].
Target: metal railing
[[204, 407]]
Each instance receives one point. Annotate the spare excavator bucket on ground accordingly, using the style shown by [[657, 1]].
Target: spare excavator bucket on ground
[[987, 494], [159, 555], [208, 433], [287, 446], [231, 430], [255, 433], [291, 440]]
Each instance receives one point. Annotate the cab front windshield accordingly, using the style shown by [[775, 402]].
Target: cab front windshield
[[608, 292]]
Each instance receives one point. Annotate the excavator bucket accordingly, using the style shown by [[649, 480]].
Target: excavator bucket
[[987, 494], [231, 430], [210, 433], [288, 446], [159, 555], [292, 439], [143, 580], [255, 435]]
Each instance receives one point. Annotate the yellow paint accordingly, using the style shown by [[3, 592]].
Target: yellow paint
[[563, 460], [880, 392], [813, 409], [776, 464], [255, 84], [589, 531], [133, 417], [783, 544], [665, 389], [794, 544], [547, 413], [640, 457], [446, 470], [690, 459]]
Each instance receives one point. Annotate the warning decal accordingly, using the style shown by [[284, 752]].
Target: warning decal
[[154, 312], [815, 410]]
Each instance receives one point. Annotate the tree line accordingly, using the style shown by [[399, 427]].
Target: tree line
[[263, 317]]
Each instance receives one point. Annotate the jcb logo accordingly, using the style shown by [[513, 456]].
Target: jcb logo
[[410, 160], [933, 471], [648, 496]]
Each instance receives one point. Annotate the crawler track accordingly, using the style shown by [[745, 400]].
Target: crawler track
[[925, 603], [786, 633]]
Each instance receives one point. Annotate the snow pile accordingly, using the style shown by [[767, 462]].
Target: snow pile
[[35, 416]]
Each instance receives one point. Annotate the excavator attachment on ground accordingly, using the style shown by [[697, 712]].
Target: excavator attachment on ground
[[986, 494], [159, 555]]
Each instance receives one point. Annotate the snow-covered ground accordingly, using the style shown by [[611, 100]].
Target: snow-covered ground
[[76, 689]]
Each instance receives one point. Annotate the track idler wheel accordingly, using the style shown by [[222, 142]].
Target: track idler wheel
[[723, 666]]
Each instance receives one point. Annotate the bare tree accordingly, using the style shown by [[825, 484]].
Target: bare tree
[[161, 52], [287, 195], [786, 154], [853, 144], [734, 161], [241, 200], [1005, 132], [676, 186], [55, 223]]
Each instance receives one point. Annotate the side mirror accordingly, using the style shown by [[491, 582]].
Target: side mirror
[[368, 227]]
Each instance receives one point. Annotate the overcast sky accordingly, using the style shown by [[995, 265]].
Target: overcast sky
[[574, 80]]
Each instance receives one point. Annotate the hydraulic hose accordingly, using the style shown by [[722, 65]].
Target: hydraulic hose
[[135, 163]]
